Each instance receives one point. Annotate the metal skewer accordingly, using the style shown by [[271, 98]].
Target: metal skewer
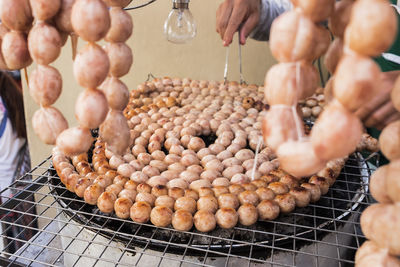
[[226, 66], [240, 60], [242, 81]]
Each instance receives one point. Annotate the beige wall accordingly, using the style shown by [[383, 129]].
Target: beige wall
[[203, 58]]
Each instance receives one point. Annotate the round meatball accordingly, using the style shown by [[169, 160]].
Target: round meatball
[[221, 182], [178, 182], [278, 188], [244, 155], [231, 162], [106, 201], [103, 181], [166, 201], [161, 216], [146, 197], [114, 188], [249, 187], [214, 164], [131, 185], [159, 190], [269, 178], [157, 180], [143, 188], [189, 176], [204, 221], [192, 194], [286, 202], [268, 210], [122, 207], [185, 203], [248, 214], [210, 175], [226, 218], [236, 189], [228, 200], [170, 175], [205, 191], [302, 196], [208, 203], [265, 193], [230, 171], [204, 152], [240, 178], [128, 193], [219, 190], [250, 197], [278, 173], [259, 183], [176, 192], [139, 177], [160, 165], [289, 180], [182, 220], [321, 182], [196, 144], [92, 193], [140, 212], [314, 190], [150, 171], [177, 167], [81, 186], [118, 179]]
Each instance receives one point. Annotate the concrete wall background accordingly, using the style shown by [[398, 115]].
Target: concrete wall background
[[203, 58]]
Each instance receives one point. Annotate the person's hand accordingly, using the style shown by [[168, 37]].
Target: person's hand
[[232, 14], [380, 111]]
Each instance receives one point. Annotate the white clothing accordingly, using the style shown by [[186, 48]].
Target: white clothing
[[10, 145], [270, 10]]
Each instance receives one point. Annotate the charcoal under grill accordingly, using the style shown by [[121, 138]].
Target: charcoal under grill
[[73, 233]]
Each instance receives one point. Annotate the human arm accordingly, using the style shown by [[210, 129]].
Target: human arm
[[270, 10], [252, 16]]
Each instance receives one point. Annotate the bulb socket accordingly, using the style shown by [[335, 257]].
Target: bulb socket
[[180, 4]]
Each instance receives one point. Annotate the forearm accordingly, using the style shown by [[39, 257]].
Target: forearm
[[270, 10]]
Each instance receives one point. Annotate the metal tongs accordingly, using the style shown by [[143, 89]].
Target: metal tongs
[[242, 81]]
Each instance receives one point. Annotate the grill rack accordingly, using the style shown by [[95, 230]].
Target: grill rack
[[54, 240]]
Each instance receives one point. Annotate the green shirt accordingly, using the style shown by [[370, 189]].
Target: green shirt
[[387, 65]]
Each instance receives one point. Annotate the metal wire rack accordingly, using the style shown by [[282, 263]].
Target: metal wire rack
[[72, 233]]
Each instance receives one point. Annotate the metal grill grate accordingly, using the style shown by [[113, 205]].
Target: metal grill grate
[[73, 233]]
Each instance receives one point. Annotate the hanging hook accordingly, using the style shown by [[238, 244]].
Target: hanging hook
[[150, 75]]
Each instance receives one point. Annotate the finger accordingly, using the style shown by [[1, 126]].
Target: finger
[[380, 115], [366, 110], [218, 20], [390, 119], [235, 20], [248, 26], [218, 23], [379, 99], [223, 13]]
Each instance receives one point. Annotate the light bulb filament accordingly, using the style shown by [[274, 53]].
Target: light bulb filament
[[180, 19]]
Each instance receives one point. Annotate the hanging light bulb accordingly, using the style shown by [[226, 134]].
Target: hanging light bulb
[[180, 27]]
